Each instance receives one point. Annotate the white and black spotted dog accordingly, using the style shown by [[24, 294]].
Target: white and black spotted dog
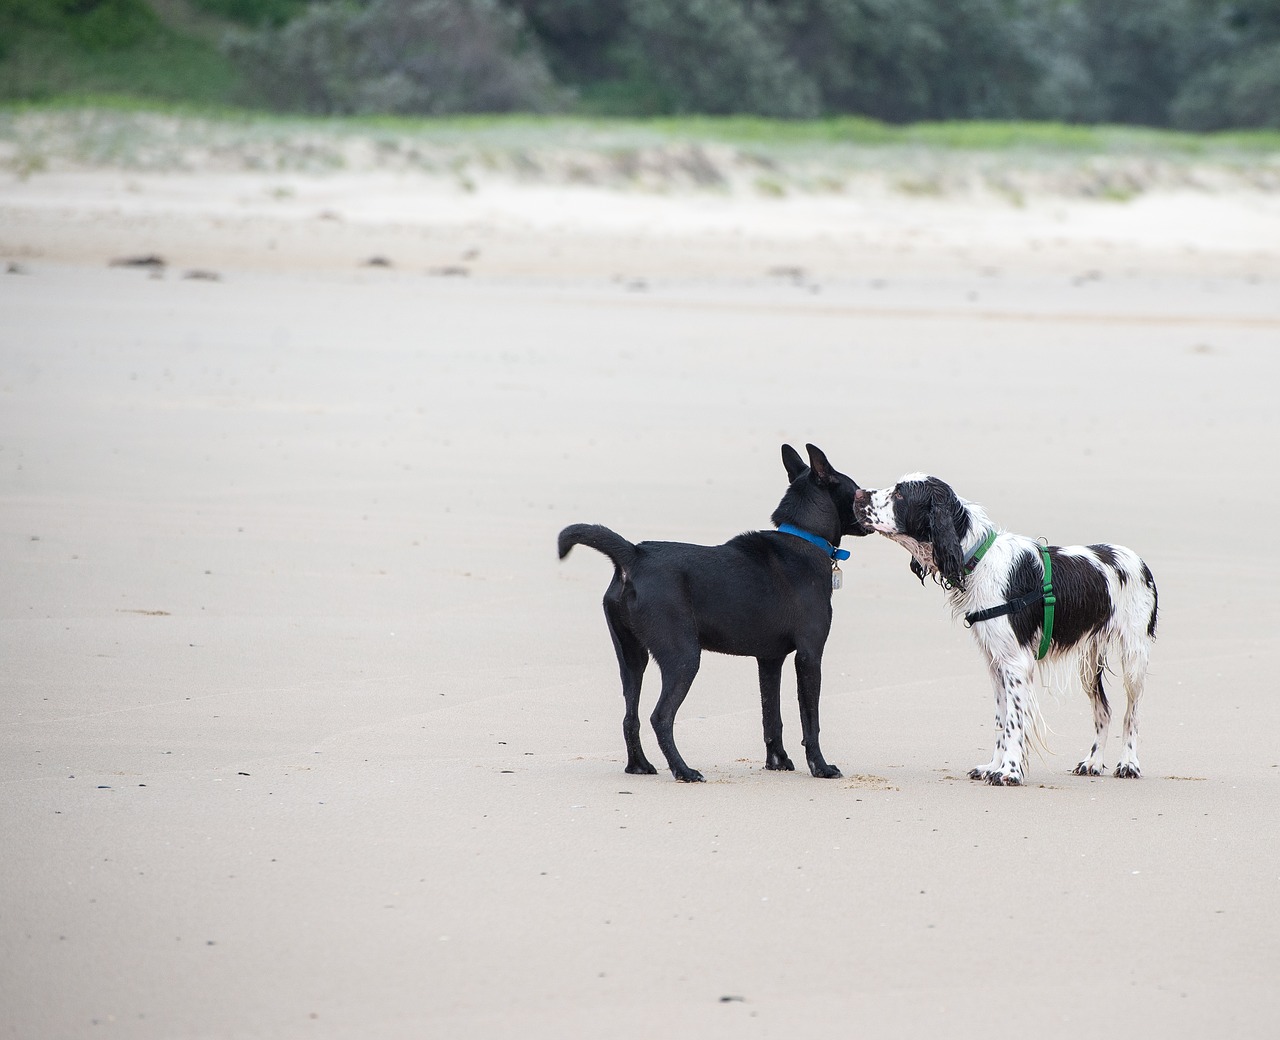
[[1101, 611]]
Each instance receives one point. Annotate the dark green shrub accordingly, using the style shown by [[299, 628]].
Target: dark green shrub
[[1236, 80], [398, 56], [897, 60], [252, 12], [92, 25], [716, 56], [902, 60], [1242, 92]]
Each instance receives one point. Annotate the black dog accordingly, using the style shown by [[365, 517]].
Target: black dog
[[763, 594]]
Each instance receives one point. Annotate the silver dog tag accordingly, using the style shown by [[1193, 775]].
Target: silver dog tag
[[837, 578]]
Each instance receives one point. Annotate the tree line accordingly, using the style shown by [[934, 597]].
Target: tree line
[[1191, 64]]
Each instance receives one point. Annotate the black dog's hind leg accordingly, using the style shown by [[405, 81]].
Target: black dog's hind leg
[[809, 686], [632, 660], [775, 755], [679, 668]]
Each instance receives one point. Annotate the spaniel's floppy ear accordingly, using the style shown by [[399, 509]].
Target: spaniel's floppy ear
[[917, 570], [794, 463], [947, 556]]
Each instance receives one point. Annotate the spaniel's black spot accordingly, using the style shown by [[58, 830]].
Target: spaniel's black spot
[[1083, 603]]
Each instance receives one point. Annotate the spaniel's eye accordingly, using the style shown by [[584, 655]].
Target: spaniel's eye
[[898, 495]]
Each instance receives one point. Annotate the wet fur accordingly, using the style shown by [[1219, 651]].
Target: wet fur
[[1104, 617]]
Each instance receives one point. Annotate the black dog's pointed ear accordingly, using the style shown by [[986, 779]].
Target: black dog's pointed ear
[[948, 560], [818, 462], [794, 463]]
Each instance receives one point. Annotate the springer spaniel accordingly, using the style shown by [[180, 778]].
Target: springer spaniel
[[1101, 611]]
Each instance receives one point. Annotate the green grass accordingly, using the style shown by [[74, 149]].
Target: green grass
[[167, 69], [749, 131], [973, 136], [178, 98], [1013, 161], [123, 49]]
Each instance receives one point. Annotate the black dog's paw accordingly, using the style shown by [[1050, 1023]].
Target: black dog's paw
[[780, 762], [1128, 772], [688, 776], [642, 768], [825, 771]]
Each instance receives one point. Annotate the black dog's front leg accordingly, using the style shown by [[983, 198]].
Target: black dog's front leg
[[809, 686], [775, 755]]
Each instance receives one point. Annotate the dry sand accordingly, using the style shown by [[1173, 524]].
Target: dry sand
[[307, 733]]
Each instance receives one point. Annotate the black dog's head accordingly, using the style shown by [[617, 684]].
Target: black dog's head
[[820, 498], [927, 517]]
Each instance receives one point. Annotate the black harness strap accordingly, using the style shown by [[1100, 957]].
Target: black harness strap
[[1045, 595], [1022, 602]]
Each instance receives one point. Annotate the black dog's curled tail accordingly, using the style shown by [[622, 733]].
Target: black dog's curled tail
[[601, 539]]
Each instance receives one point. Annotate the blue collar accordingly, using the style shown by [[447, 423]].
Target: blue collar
[[813, 539]]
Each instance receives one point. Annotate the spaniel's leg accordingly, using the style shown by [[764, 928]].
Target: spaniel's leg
[[1016, 677], [985, 770], [1091, 668], [1135, 678]]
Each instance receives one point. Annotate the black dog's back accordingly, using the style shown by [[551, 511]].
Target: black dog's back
[[763, 594], [754, 596]]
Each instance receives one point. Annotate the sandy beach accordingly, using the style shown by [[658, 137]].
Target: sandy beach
[[306, 732]]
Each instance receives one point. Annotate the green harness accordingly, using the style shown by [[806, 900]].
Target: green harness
[[1044, 595]]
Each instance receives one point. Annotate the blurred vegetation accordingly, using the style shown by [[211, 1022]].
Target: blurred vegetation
[[52, 48], [1188, 64], [398, 56]]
